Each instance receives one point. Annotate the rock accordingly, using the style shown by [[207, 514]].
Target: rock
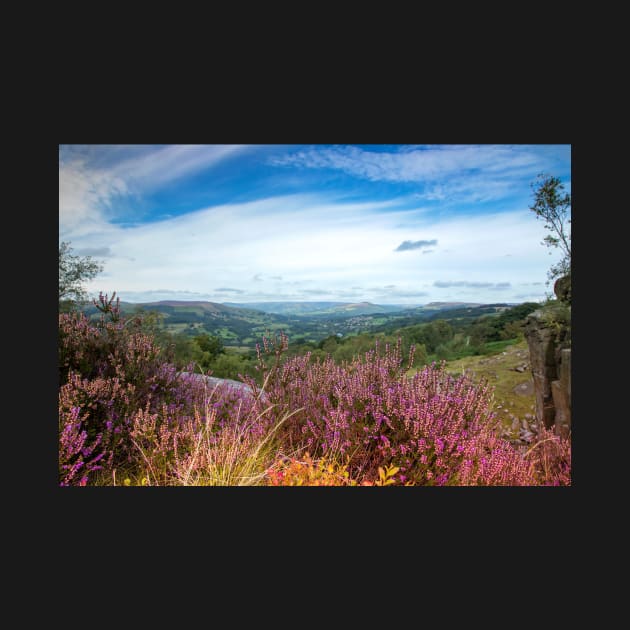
[[520, 368], [542, 338], [524, 389], [515, 425], [548, 333], [562, 289], [214, 381], [527, 436], [561, 393]]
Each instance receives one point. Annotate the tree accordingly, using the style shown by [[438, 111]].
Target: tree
[[206, 349], [553, 205], [74, 271], [212, 345]]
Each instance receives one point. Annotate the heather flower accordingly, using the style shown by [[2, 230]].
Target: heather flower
[[121, 404]]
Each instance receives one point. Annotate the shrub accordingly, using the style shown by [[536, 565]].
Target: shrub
[[437, 429], [77, 457], [225, 443], [122, 407], [108, 371], [291, 471], [551, 459]]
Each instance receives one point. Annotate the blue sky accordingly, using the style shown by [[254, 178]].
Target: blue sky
[[389, 224]]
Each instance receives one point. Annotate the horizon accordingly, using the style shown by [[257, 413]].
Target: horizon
[[402, 225], [336, 302]]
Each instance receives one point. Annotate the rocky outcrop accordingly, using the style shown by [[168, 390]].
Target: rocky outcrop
[[561, 393], [562, 289], [548, 334]]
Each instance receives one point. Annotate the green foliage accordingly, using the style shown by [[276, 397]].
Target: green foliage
[[207, 349], [148, 322], [232, 366], [557, 316], [553, 205], [74, 271], [436, 339], [430, 335], [433, 340]]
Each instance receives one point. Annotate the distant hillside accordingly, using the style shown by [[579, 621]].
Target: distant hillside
[[180, 306], [450, 311], [440, 306], [235, 326], [287, 308], [244, 325], [318, 308], [366, 308]]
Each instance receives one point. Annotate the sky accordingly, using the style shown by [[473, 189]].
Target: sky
[[387, 224]]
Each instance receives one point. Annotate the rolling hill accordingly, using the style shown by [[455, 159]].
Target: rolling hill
[[244, 325], [318, 308]]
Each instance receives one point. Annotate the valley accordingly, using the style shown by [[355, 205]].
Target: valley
[[243, 326]]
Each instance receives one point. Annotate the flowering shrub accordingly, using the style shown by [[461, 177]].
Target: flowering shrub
[[437, 429], [75, 454], [122, 406], [108, 371], [110, 348]]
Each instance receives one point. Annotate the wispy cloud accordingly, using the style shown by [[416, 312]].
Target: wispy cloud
[[159, 167], [324, 249], [407, 294], [147, 211], [228, 290], [84, 196], [455, 172], [416, 163], [409, 245], [91, 187], [442, 284]]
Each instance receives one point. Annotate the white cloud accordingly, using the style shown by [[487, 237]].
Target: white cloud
[[87, 192], [84, 196], [419, 163], [319, 246], [473, 173], [312, 246], [162, 166]]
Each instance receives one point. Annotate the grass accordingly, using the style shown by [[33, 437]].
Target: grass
[[237, 458], [499, 370], [238, 350]]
